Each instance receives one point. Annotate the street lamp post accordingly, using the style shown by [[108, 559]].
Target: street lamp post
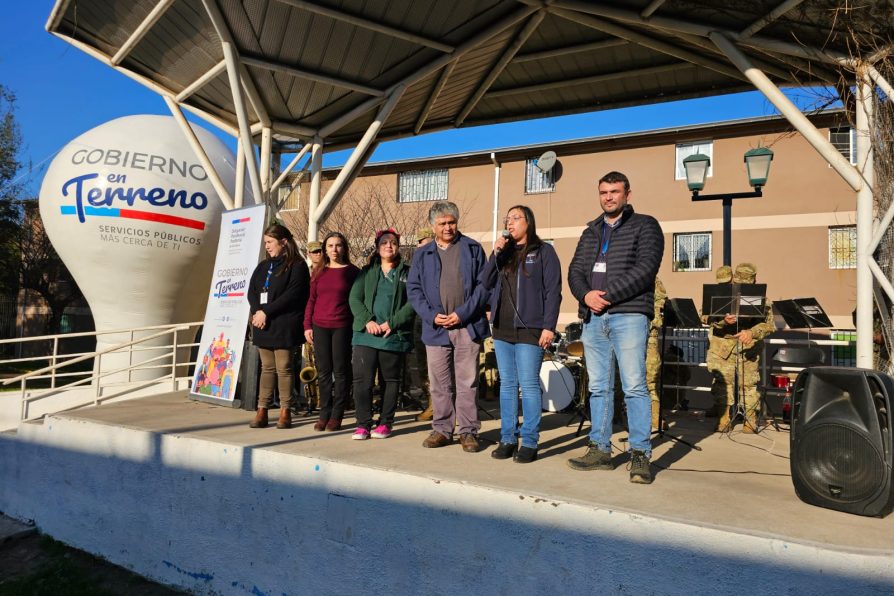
[[757, 162]]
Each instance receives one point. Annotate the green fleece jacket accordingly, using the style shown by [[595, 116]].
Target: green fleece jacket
[[362, 299]]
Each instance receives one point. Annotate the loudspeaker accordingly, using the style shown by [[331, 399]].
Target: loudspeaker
[[841, 439]]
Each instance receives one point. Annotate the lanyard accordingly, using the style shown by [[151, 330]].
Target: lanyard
[[269, 273], [605, 241]]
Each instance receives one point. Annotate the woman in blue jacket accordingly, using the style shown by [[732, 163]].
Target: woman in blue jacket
[[525, 279], [383, 333]]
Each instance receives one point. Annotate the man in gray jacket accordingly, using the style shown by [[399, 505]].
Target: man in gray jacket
[[612, 275]]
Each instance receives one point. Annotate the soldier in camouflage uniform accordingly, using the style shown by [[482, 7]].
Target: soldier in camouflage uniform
[[653, 353], [423, 237], [731, 347]]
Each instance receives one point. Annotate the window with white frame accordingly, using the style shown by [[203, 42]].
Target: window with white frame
[[843, 247], [684, 150], [692, 251], [422, 185], [844, 140], [537, 180]]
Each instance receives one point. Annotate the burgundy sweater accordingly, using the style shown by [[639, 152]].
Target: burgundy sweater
[[327, 306]]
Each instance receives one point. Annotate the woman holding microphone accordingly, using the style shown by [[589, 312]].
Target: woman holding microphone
[[525, 279]]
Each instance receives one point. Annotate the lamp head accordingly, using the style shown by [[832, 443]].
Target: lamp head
[[757, 162], [696, 167]]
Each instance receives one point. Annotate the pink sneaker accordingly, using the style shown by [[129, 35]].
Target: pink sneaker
[[381, 432], [361, 434]]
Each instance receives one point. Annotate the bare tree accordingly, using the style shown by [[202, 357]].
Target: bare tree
[[366, 208]]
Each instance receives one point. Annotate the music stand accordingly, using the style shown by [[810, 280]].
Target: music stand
[[803, 313], [748, 303], [678, 313], [744, 301]]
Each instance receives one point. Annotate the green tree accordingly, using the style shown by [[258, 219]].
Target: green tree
[[10, 194]]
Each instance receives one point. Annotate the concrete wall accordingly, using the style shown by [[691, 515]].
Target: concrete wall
[[213, 518]]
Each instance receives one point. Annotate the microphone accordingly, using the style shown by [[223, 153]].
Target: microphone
[[505, 235]]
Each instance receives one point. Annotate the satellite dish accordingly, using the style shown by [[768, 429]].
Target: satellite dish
[[546, 161]]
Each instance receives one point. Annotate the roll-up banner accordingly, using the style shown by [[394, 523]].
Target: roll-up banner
[[226, 317]]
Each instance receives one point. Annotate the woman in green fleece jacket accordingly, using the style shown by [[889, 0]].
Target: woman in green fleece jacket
[[383, 332]]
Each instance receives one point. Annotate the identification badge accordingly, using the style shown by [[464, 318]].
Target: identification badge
[[263, 297], [599, 267]]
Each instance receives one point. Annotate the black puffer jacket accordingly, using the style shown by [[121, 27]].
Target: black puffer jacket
[[632, 262]]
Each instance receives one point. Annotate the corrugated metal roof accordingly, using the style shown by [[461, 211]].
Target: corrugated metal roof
[[314, 62]]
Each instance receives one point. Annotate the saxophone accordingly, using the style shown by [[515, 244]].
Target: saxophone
[[308, 376]]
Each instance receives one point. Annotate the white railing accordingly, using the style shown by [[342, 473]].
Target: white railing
[[101, 385]]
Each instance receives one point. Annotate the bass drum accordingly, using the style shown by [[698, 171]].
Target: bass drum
[[557, 385]]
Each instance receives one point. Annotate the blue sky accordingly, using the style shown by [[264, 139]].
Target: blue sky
[[62, 92]]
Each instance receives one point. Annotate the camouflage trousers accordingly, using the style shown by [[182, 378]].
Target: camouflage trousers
[[653, 366], [723, 386]]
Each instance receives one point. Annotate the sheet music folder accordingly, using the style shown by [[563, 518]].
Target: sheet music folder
[[746, 301], [803, 313]]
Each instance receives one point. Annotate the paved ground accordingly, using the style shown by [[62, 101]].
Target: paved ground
[[736, 481]]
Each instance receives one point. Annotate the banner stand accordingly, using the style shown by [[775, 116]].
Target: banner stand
[[219, 360]]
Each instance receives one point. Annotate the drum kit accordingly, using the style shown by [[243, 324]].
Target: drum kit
[[563, 373]]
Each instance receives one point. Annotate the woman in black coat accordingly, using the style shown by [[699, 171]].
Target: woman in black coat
[[277, 295]]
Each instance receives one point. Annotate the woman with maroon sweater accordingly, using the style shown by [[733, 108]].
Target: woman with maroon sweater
[[327, 324]]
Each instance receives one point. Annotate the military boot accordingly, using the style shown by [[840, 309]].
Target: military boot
[[427, 414], [723, 418], [751, 424]]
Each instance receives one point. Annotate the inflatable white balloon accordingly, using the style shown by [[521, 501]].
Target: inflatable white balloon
[[133, 214]]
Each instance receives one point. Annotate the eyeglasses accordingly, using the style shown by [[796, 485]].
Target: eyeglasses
[[513, 219]]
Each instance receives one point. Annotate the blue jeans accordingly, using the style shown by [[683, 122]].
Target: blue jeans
[[622, 337], [519, 366]]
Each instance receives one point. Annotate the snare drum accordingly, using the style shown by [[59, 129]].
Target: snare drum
[[575, 349], [557, 385], [779, 381]]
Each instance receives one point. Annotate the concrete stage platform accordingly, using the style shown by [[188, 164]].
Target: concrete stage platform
[[185, 493]]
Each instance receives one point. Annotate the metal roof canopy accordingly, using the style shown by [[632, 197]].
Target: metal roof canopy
[[354, 72]]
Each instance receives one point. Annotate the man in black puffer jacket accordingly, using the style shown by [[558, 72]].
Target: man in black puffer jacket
[[612, 275]]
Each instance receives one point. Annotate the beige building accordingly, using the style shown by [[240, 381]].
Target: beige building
[[800, 234]]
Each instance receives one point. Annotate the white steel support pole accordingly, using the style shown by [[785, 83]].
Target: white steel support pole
[[240, 175], [864, 113], [493, 158], [282, 177], [356, 160], [266, 149], [316, 178], [790, 111], [197, 148], [242, 116]]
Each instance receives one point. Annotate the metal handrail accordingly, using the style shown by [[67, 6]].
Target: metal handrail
[[54, 370], [93, 333], [95, 354]]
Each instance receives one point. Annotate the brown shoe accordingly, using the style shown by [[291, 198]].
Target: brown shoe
[[333, 425], [750, 425], [285, 418], [436, 439], [425, 415], [260, 419], [469, 443], [320, 425]]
